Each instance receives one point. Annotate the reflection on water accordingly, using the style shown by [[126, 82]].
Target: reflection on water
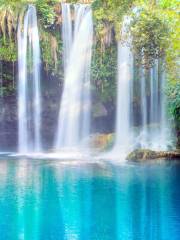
[[44, 200]]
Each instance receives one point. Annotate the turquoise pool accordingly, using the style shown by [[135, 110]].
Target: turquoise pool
[[55, 200]]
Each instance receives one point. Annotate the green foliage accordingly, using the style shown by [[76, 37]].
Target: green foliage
[[174, 100], [154, 28], [110, 12], [9, 14], [104, 66], [46, 12], [169, 10], [13, 4], [169, 4], [149, 36], [51, 46], [173, 49], [8, 51]]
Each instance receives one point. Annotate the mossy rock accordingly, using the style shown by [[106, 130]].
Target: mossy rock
[[146, 154]]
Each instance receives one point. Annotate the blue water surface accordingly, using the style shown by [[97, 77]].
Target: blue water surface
[[51, 200]]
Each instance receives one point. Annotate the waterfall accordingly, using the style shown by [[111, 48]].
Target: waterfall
[[161, 135], [154, 103], [155, 130], [144, 107], [154, 86], [124, 94], [74, 114], [67, 32], [29, 96], [165, 130]]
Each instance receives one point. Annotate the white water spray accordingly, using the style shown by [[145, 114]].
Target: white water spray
[[74, 115], [29, 97], [124, 110]]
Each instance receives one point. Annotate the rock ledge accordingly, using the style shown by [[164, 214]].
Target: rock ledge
[[146, 154]]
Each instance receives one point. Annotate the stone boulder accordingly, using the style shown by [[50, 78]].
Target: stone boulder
[[146, 154]]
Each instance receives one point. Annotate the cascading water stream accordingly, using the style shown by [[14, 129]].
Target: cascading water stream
[[74, 115], [124, 94], [165, 131], [154, 103], [123, 99], [144, 112], [160, 134], [67, 32], [154, 86], [153, 130], [29, 96]]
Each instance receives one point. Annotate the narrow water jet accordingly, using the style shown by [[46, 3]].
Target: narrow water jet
[[74, 114], [29, 96]]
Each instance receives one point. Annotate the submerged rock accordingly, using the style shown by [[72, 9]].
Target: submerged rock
[[146, 154]]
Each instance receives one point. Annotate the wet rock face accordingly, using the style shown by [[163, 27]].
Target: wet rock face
[[146, 154], [101, 141], [101, 122], [8, 123]]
